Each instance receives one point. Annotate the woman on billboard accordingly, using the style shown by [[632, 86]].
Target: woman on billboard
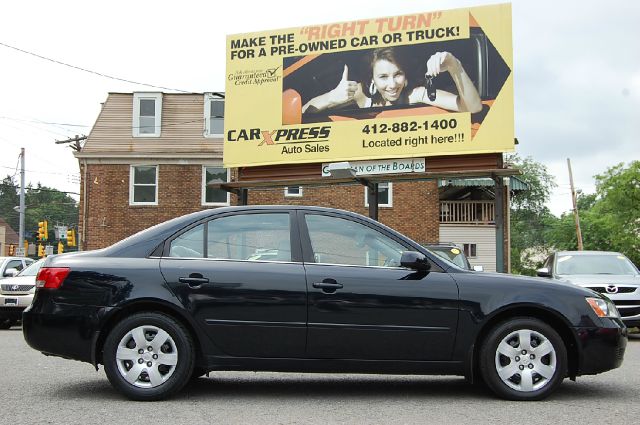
[[388, 85]]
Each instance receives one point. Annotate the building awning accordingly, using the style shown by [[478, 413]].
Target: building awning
[[514, 183]]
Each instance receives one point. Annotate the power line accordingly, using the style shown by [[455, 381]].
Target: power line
[[90, 71], [44, 122], [39, 189], [42, 172]]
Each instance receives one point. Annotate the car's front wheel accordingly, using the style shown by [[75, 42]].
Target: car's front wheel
[[148, 356], [523, 359]]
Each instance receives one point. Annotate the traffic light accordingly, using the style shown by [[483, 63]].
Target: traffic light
[[42, 234], [46, 230], [60, 247], [71, 237], [12, 250], [40, 250]]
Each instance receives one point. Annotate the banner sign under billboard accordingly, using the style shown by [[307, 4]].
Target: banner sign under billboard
[[428, 84]]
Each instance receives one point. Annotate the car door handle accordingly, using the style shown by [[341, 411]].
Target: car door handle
[[194, 281], [327, 285]]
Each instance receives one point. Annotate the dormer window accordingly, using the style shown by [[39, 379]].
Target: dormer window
[[147, 114], [213, 115]]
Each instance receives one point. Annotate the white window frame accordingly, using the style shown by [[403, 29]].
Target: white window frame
[[203, 197], [288, 194], [208, 98], [132, 184], [470, 244], [387, 205], [137, 97]]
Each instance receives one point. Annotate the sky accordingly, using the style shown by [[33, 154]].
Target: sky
[[576, 72]]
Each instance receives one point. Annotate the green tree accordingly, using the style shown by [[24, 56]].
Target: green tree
[[42, 203], [530, 218], [610, 218], [45, 203], [9, 199]]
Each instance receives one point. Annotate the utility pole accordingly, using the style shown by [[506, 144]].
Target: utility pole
[[575, 207], [22, 178], [74, 142]]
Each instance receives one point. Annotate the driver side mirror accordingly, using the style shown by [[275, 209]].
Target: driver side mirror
[[543, 272], [415, 260], [10, 272]]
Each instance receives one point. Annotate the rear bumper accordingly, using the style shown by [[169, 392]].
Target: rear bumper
[[70, 331], [602, 348]]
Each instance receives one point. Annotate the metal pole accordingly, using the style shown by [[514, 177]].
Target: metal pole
[[500, 228], [372, 189], [575, 208], [22, 206]]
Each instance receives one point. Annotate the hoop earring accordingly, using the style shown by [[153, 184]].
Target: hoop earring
[[372, 88]]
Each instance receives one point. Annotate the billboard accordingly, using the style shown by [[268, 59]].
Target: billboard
[[426, 84]]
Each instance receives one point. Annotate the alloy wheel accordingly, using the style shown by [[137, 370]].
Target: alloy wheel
[[525, 360], [146, 356]]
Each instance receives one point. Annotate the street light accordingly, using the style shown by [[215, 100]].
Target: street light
[[341, 170]]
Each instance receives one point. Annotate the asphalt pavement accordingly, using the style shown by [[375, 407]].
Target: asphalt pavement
[[35, 389]]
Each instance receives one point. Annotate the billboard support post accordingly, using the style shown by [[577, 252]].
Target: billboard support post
[[373, 200], [500, 228]]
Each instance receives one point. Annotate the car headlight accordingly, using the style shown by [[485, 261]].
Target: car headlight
[[602, 307]]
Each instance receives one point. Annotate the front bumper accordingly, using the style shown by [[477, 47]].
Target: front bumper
[[12, 306], [601, 348]]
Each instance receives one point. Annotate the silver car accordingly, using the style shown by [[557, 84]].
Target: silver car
[[608, 273], [16, 294]]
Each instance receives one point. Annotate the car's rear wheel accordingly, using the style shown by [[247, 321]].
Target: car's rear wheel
[[523, 359], [148, 356]]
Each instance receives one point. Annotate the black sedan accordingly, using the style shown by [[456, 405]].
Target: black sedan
[[309, 289]]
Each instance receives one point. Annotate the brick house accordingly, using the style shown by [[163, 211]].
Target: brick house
[[149, 156]]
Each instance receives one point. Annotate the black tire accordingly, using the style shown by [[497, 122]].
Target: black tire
[[521, 370], [6, 323], [171, 368]]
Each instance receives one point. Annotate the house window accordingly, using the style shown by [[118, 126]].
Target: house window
[[470, 250], [213, 115], [144, 185], [293, 191], [385, 195], [212, 196], [147, 114]]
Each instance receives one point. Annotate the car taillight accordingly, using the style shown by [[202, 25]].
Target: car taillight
[[51, 277]]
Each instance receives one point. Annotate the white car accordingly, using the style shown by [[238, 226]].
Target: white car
[[9, 266], [608, 273], [16, 294]]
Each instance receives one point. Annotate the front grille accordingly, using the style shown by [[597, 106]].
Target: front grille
[[629, 312], [621, 289], [17, 288]]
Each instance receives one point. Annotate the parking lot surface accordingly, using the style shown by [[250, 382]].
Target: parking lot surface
[[36, 389]]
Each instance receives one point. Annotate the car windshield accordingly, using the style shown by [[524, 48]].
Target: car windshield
[[594, 264], [32, 270], [451, 254]]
